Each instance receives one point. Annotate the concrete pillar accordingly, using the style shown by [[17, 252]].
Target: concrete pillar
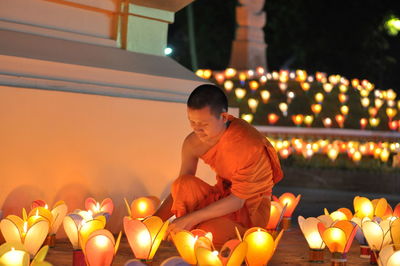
[[249, 48]]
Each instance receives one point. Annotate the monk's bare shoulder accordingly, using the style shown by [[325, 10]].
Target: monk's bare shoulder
[[192, 146]]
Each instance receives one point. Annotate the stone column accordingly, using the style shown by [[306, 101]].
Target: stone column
[[249, 47]]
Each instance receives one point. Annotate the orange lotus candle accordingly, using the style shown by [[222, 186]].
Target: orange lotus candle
[[305, 86], [253, 85], [100, 247], [393, 125], [316, 109], [273, 118], [275, 217], [363, 123], [142, 207], [340, 120], [219, 77], [290, 201], [372, 111], [297, 119], [105, 208], [343, 97]]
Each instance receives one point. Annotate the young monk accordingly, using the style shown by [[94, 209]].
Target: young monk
[[246, 165]]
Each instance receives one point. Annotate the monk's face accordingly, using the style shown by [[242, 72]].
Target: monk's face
[[207, 126]]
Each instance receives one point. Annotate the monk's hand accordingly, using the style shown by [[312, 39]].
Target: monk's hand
[[186, 222]]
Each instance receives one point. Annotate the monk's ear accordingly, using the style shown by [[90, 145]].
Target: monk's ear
[[224, 116]]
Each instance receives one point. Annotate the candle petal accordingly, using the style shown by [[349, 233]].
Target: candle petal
[[35, 236]]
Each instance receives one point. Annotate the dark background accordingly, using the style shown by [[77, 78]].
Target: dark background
[[336, 37]]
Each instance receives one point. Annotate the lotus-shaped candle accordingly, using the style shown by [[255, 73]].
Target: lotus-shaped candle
[[29, 231], [377, 235], [291, 202], [105, 208], [340, 214], [389, 256], [338, 239], [186, 242], [365, 251], [142, 207], [363, 207], [145, 236], [309, 228], [78, 226], [58, 213], [15, 254], [275, 217], [100, 247]]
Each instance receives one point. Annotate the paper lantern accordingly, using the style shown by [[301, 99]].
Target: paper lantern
[[377, 235], [319, 97], [363, 207], [338, 238], [15, 254], [290, 201], [219, 77], [145, 236], [393, 125], [372, 111], [240, 93], [343, 97], [253, 85], [374, 122], [378, 103], [365, 102], [253, 103], [305, 86], [283, 107], [340, 120], [316, 109], [228, 85], [230, 72], [290, 96], [31, 232], [272, 118], [100, 247], [142, 207], [105, 208], [275, 217], [363, 123], [186, 242], [327, 122], [389, 256], [247, 117], [80, 224], [282, 86], [327, 88], [297, 119], [265, 95], [309, 228], [391, 112], [308, 120], [260, 246]]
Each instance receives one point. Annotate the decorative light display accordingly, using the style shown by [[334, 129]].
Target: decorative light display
[[290, 201]]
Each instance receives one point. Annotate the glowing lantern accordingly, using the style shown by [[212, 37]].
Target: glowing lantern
[[391, 103], [233, 252], [340, 120], [142, 207], [242, 77], [365, 102], [250, 73], [260, 70], [363, 123], [389, 256], [275, 75], [290, 201], [100, 247], [342, 214], [240, 93], [265, 95], [373, 111], [338, 238], [327, 122], [219, 77], [228, 85], [333, 153], [283, 107], [390, 95], [363, 207], [319, 97], [145, 236], [253, 85], [316, 108], [15, 254], [391, 112], [377, 235], [272, 118], [343, 97], [356, 156], [378, 103], [282, 86], [207, 73], [344, 110], [320, 76], [105, 208], [297, 119], [374, 122], [284, 153], [58, 213], [301, 75], [364, 93], [308, 119], [247, 117], [290, 95], [310, 78], [309, 228], [327, 87], [343, 88], [263, 79], [393, 125], [253, 103], [186, 243], [260, 246], [275, 217], [384, 155], [230, 72], [305, 86]]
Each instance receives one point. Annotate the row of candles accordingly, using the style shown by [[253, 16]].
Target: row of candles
[[375, 224], [355, 150], [259, 81]]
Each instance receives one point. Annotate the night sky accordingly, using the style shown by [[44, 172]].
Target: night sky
[[336, 37]]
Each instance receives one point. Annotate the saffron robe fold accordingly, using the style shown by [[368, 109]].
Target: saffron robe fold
[[246, 165]]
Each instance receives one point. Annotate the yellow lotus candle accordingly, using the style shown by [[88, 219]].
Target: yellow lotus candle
[[391, 112], [230, 72], [290, 201], [253, 85], [377, 235], [228, 85], [344, 110], [142, 207], [333, 153], [309, 228], [363, 207], [305, 86], [29, 232], [338, 239], [343, 88], [105, 208], [365, 102], [100, 247], [297, 119], [15, 254], [240, 93], [378, 103], [316, 109], [308, 120], [260, 246], [283, 107], [145, 236], [374, 122], [327, 87], [253, 103], [265, 95], [247, 117], [319, 97]]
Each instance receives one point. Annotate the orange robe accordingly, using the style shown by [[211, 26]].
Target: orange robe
[[246, 165]]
